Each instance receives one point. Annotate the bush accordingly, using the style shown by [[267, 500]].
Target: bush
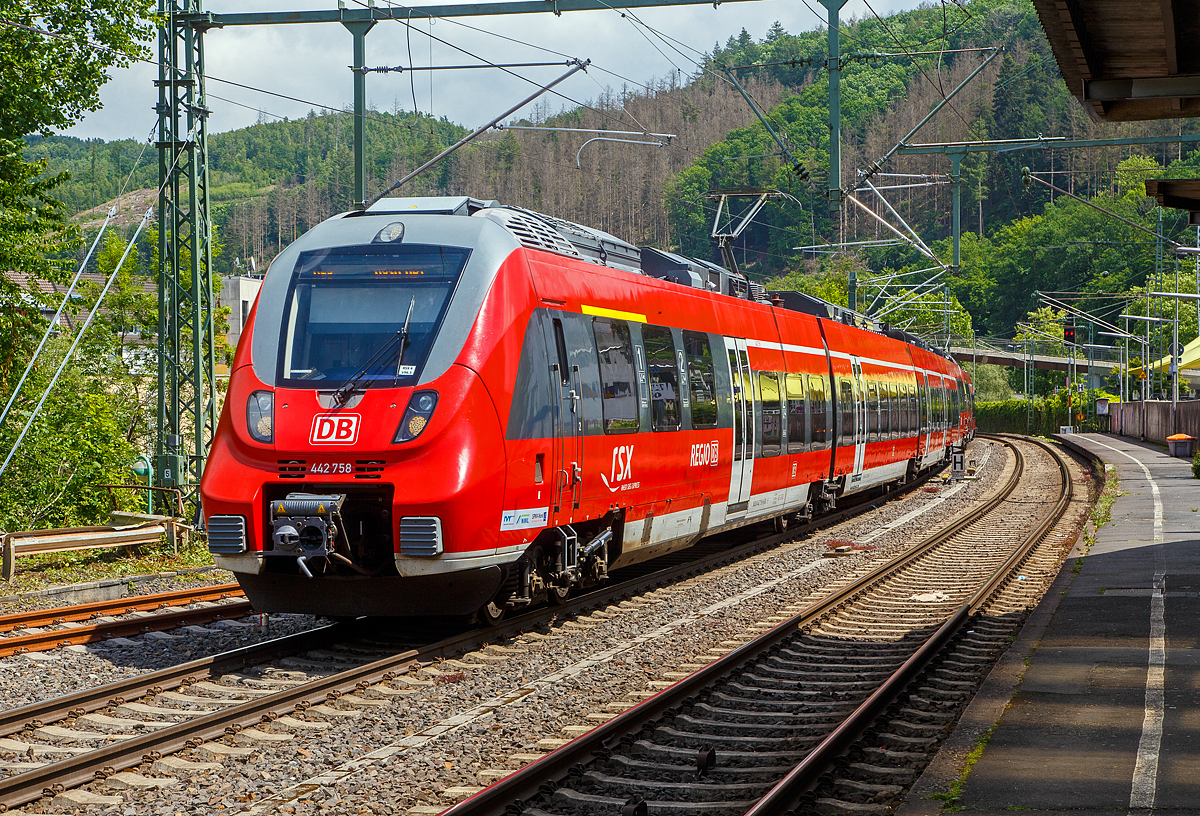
[[1046, 417], [1196, 466]]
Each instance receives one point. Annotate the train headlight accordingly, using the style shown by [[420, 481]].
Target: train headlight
[[416, 416], [391, 233], [260, 416]]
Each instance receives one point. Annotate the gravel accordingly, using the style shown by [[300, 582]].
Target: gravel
[[611, 656]]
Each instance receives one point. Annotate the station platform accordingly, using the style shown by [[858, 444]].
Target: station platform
[[1098, 707]]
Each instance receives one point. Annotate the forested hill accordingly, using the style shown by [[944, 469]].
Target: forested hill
[[272, 181]]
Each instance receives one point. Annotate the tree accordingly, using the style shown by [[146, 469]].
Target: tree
[[49, 80], [54, 56]]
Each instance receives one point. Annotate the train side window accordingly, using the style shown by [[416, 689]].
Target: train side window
[[894, 408], [884, 416], [846, 406], [664, 378], [618, 378], [772, 415], [560, 342], [739, 403], [872, 412], [818, 410], [910, 408], [702, 383], [797, 413]]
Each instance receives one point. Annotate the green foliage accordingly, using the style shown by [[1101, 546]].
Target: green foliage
[[77, 443], [79, 439], [1196, 466], [1133, 172], [1048, 414], [990, 381]]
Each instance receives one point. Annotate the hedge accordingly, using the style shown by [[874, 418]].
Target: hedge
[[1048, 415]]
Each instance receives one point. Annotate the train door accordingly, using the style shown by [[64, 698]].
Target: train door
[[923, 415], [568, 430], [860, 420], [742, 476]]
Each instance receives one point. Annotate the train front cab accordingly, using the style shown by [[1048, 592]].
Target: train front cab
[[403, 479]]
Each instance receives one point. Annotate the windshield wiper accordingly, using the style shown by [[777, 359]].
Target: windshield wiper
[[403, 340], [343, 393]]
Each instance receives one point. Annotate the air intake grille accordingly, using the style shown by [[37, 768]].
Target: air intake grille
[[420, 535], [368, 468], [227, 534], [292, 468], [532, 231]]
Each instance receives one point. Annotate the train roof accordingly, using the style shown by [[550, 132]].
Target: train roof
[[550, 234]]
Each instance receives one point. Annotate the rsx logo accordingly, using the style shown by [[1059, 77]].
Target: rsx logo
[[340, 429], [622, 468]]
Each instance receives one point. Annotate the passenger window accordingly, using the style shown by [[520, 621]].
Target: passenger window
[[872, 412], [797, 413], [772, 415], [617, 376], [664, 378], [894, 408], [739, 404], [702, 385], [818, 410], [846, 406]]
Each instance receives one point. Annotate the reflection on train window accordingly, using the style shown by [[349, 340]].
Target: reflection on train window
[[739, 404], [346, 308], [772, 416], [797, 413], [702, 383], [664, 378], [872, 411], [847, 408], [893, 409], [818, 410], [617, 377]]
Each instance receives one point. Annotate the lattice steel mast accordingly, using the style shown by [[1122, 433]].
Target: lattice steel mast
[[187, 412]]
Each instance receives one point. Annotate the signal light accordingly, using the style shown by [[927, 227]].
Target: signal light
[[1069, 333]]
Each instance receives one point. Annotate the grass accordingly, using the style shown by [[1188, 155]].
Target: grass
[[952, 796], [36, 572]]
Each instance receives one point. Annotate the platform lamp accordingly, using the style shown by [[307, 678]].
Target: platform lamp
[[143, 468]]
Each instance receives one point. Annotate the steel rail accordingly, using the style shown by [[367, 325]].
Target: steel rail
[[522, 785], [784, 796], [99, 632], [116, 606], [25, 787]]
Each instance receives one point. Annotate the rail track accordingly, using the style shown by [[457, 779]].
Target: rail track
[[776, 725], [84, 623], [95, 733]]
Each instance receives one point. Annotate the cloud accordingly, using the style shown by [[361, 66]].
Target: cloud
[[311, 62]]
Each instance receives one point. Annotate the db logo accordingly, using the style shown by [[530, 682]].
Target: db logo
[[341, 429]]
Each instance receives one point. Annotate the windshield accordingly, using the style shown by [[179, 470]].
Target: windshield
[[347, 303]]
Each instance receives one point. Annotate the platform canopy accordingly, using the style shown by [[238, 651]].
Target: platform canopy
[[1177, 194], [1127, 60]]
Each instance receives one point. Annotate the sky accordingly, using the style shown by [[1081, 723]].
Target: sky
[[311, 62]]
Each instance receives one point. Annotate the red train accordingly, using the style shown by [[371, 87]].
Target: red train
[[446, 406]]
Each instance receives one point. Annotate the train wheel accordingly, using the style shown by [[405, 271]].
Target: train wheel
[[556, 595], [490, 614], [781, 524]]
